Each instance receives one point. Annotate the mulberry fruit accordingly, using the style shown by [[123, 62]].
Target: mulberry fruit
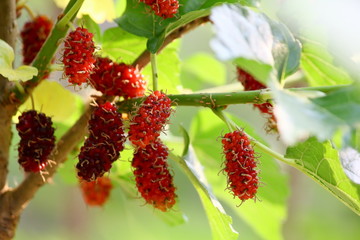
[[250, 83], [240, 165], [153, 179], [115, 79], [78, 58], [33, 35], [104, 143], [163, 8], [96, 193], [150, 119], [37, 140]]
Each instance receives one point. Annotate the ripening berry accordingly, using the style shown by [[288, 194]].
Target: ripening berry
[[78, 58], [163, 8], [153, 179], [33, 35], [150, 119], [96, 193], [240, 165], [250, 83], [37, 140], [104, 143], [115, 79]]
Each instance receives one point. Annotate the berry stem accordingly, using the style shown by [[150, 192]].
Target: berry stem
[[230, 124], [29, 11], [32, 101], [154, 71], [70, 14], [215, 100]]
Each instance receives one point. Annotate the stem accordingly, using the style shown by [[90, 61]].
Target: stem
[[215, 100], [154, 71], [218, 112], [29, 11], [70, 14]]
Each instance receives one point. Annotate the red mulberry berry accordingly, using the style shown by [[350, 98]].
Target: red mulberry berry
[[78, 56], [150, 119], [153, 179], [240, 165], [250, 83], [36, 140], [96, 193], [115, 79], [33, 35], [105, 142], [163, 8]]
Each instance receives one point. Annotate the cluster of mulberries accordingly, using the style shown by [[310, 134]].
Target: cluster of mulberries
[[78, 56], [153, 179], [250, 83], [163, 8], [150, 119], [104, 143], [97, 192], [115, 79], [36, 140], [33, 35], [240, 165]]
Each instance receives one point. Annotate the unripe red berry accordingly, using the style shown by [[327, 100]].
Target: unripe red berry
[[33, 35], [153, 179], [96, 193], [150, 119], [240, 165], [78, 58], [37, 140], [163, 8], [115, 79]]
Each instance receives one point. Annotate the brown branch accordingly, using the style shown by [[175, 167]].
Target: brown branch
[[8, 34], [144, 58], [27, 189]]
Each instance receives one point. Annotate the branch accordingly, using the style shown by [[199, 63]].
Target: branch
[[215, 100], [27, 189], [8, 34], [144, 58]]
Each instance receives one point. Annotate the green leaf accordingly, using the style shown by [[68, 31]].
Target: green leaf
[[202, 71], [286, 50], [92, 26], [266, 216], [219, 221], [321, 162], [299, 117], [22, 73], [168, 66], [154, 27], [122, 45], [54, 100], [245, 36], [318, 66]]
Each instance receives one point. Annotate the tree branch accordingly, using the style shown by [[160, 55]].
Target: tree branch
[[8, 34]]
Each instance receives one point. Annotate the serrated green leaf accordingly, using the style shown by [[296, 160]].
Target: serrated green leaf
[[202, 71], [265, 217], [121, 45], [244, 36], [299, 117], [321, 162], [92, 26], [318, 66], [219, 221], [22, 73]]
